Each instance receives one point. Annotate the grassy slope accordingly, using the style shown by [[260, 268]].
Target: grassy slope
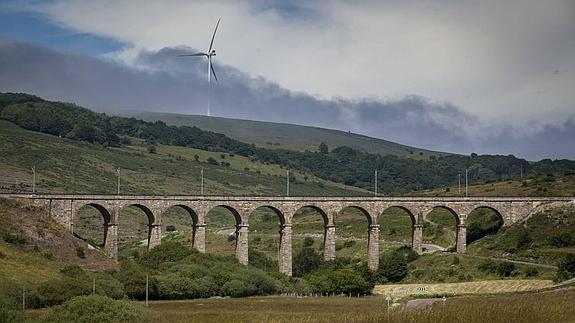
[[69, 166], [532, 185], [274, 135], [45, 248]]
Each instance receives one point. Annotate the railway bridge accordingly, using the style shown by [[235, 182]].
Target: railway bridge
[[64, 207]]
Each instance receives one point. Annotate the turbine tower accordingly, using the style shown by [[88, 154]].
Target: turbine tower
[[209, 54]]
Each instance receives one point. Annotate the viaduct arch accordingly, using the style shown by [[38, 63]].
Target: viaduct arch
[[64, 207]]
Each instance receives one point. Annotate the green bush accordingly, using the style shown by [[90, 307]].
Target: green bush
[[235, 288], [393, 266], [169, 251], [566, 268], [10, 310], [100, 309], [14, 238], [306, 260], [133, 278], [57, 291], [346, 280]]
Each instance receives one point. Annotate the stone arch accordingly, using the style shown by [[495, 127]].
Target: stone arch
[[191, 212], [105, 215], [409, 212], [475, 231], [327, 218], [237, 216], [365, 212], [444, 207], [154, 222], [280, 214]]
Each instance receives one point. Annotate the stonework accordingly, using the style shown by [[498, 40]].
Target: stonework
[[63, 208]]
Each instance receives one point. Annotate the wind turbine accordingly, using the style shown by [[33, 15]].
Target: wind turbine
[[209, 54]]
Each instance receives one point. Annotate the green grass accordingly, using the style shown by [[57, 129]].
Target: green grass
[[445, 268], [553, 306], [288, 136], [530, 241], [65, 165], [532, 185]]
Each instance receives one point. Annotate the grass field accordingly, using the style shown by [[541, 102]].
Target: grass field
[[552, 306]]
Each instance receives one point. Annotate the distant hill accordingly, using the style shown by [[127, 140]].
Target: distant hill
[[288, 136]]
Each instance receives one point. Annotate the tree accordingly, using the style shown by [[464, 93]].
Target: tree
[[393, 267], [305, 260], [151, 149], [323, 148]]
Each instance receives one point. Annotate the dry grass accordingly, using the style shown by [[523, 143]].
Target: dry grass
[[479, 287], [555, 306]]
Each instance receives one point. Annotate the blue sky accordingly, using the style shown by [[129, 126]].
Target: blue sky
[[37, 28]]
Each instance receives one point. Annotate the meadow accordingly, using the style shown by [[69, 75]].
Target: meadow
[[553, 306]]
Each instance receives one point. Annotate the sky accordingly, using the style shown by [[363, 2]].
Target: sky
[[460, 76]]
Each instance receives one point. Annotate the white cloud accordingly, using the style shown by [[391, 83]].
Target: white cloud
[[495, 59]]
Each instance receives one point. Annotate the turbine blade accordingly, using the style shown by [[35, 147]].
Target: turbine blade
[[196, 54], [214, 35], [213, 72]]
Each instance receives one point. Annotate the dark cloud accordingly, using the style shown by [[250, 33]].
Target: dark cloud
[[162, 82]]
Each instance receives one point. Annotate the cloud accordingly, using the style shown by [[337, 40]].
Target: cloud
[[493, 59], [164, 82]]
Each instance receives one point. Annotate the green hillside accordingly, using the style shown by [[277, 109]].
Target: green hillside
[[288, 136], [66, 165]]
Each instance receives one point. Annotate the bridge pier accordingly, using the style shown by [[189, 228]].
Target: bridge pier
[[154, 235], [111, 240], [417, 238], [461, 242], [199, 237], [242, 243], [329, 243], [373, 247], [285, 251]]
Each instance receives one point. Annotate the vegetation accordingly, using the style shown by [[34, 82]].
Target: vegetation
[[101, 309], [342, 164], [546, 237]]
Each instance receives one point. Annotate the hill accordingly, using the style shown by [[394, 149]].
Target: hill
[[66, 165], [288, 136]]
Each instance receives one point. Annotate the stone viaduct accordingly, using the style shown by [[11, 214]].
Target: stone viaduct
[[64, 207]]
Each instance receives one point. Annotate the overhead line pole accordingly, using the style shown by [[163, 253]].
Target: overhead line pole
[[375, 183], [34, 179], [459, 183], [287, 182], [202, 182], [466, 182], [118, 171]]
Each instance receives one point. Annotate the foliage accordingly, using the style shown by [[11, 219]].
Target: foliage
[[99, 309], [566, 269], [10, 310], [342, 164], [306, 260], [393, 266]]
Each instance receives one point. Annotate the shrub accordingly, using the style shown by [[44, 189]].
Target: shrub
[[566, 268], [170, 228], [152, 149], [231, 237], [57, 291], [393, 266], [235, 288], [99, 309], [169, 251], [505, 269], [346, 280], [212, 161], [80, 252], [10, 310], [305, 260], [15, 238]]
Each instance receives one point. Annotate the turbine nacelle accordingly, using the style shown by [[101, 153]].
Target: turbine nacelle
[[212, 53]]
